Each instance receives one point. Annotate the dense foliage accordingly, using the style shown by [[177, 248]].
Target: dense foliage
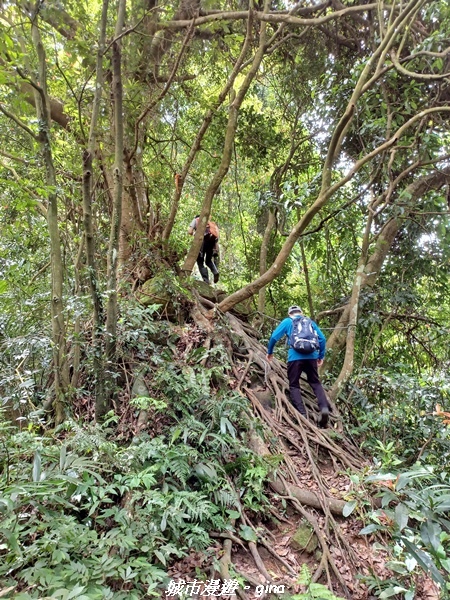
[[83, 508]]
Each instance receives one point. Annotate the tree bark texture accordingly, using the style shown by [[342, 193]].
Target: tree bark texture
[[89, 235], [271, 222], [60, 364], [113, 249]]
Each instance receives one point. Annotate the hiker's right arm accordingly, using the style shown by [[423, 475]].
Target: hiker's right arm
[[277, 335]]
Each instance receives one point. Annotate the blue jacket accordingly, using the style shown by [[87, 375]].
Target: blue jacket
[[285, 328]]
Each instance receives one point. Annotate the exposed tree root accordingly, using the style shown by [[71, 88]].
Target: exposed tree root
[[300, 434], [266, 387], [224, 565], [281, 560]]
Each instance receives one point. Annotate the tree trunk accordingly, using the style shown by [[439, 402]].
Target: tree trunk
[[60, 364], [347, 367], [88, 155], [263, 258], [307, 282], [113, 249], [368, 77], [369, 275], [227, 151], [207, 119]]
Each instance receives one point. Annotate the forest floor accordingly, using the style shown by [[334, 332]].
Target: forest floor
[[371, 562], [371, 558], [315, 460]]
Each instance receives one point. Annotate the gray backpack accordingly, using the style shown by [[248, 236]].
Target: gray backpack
[[303, 336]]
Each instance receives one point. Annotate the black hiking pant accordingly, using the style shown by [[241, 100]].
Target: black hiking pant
[[294, 370], [206, 256]]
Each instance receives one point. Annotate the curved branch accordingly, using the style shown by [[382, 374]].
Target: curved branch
[[374, 263], [278, 17], [169, 81], [207, 119], [18, 122], [230, 134], [325, 194], [413, 74]]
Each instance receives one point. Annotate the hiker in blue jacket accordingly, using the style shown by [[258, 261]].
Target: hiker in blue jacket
[[299, 363]]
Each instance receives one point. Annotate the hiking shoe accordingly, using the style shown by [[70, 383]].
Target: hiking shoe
[[323, 420], [216, 277]]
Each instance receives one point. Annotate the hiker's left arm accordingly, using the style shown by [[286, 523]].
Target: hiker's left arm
[[322, 341]]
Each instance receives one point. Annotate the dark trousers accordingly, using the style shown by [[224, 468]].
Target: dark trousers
[[294, 370], [205, 256]]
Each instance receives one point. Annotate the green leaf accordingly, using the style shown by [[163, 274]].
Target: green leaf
[[401, 515], [176, 434], [410, 563], [160, 556], [206, 472], [370, 529], [408, 476], [247, 534], [430, 533], [62, 457], [349, 508], [75, 593], [37, 466], [446, 564], [11, 538], [425, 561], [163, 524]]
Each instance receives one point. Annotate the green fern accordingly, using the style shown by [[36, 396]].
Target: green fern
[[314, 591]]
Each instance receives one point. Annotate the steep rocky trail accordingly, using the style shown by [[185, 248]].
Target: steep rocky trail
[[308, 488]]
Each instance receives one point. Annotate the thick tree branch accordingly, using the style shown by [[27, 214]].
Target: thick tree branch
[[227, 151], [325, 194], [415, 75], [381, 250], [271, 17]]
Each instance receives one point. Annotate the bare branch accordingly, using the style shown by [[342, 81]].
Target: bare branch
[[278, 17], [152, 105], [18, 122]]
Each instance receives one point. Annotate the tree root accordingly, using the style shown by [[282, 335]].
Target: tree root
[[281, 560], [224, 566], [259, 562], [284, 488], [249, 363], [295, 435]]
